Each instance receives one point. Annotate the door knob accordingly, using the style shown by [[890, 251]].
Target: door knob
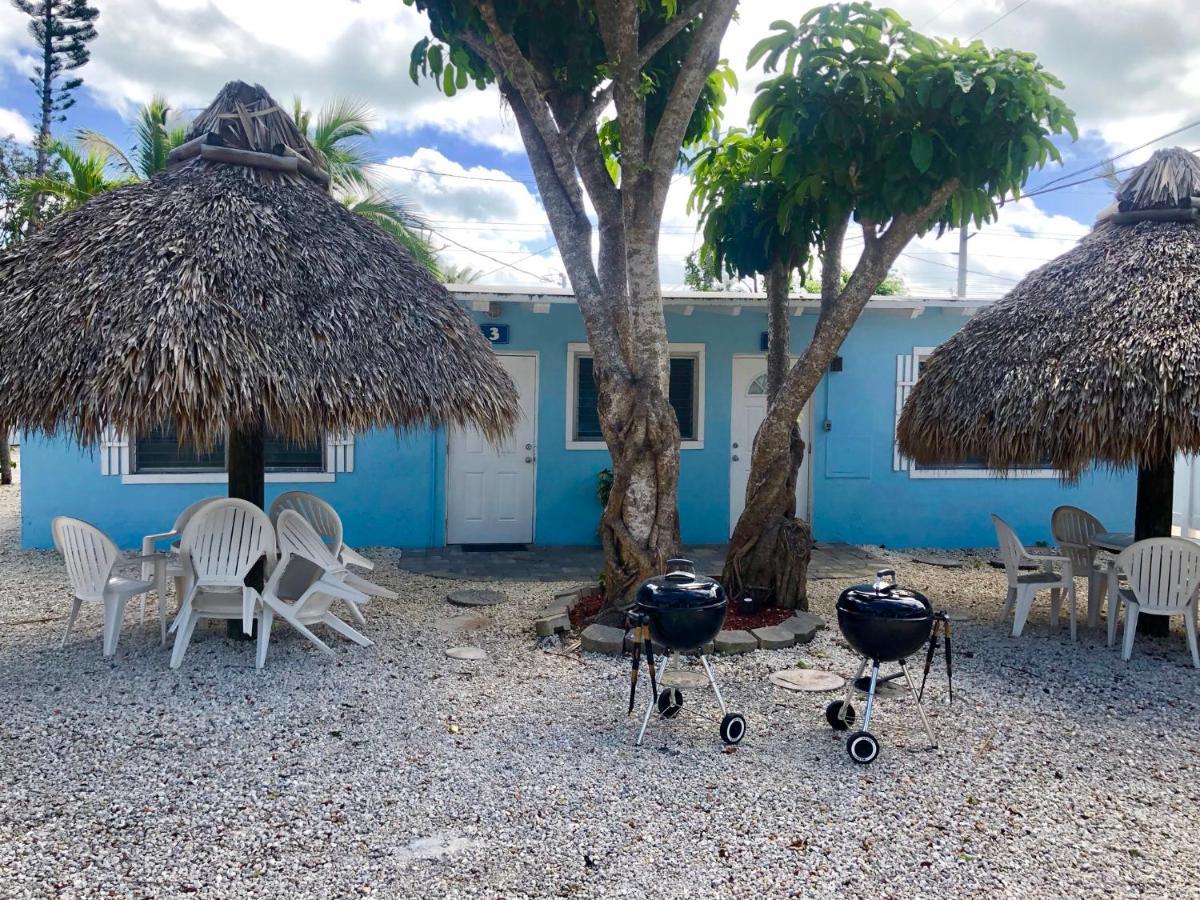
[[735, 445], [529, 446], [529, 459], [735, 457]]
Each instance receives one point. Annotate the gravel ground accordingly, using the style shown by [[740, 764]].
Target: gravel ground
[[395, 771]]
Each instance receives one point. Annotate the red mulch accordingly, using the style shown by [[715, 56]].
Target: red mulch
[[585, 611]]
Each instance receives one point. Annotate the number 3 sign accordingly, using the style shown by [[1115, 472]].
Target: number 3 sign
[[496, 334]]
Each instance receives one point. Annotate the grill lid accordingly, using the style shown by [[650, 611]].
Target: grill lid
[[884, 599], [680, 588]]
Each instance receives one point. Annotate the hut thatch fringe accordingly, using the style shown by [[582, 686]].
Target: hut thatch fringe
[[1094, 357], [217, 294]]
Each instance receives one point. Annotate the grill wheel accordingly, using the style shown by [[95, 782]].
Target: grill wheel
[[862, 747], [834, 716]]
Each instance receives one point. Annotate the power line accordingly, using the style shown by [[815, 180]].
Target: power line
[[945, 9], [997, 20], [1111, 159], [503, 264], [933, 262], [522, 259], [509, 181]]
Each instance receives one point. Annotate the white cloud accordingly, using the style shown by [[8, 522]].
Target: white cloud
[[14, 124], [484, 209]]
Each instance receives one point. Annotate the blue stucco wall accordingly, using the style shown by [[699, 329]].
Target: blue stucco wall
[[396, 495]]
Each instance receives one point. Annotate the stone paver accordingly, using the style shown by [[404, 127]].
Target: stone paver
[[683, 679], [803, 625], [773, 637], [457, 624], [602, 639], [552, 624], [466, 653], [735, 642], [809, 680], [476, 597]]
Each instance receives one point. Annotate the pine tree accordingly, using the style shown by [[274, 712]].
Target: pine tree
[[62, 30]]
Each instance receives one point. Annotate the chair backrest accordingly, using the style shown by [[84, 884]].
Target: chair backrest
[[297, 537], [1073, 529], [89, 554], [181, 521], [225, 539], [319, 514], [1011, 548], [1163, 573]]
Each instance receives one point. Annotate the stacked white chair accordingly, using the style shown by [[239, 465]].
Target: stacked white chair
[[306, 581], [90, 557], [328, 525], [1073, 529], [1023, 587], [1163, 576], [174, 568], [217, 550]]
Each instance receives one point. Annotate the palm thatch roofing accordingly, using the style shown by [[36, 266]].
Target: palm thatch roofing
[[1092, 358], [230, 290]]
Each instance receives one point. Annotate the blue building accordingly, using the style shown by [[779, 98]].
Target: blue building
[[430, 488]]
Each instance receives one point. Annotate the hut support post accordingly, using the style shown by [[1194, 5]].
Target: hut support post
[[1152, 518], [247, 477]]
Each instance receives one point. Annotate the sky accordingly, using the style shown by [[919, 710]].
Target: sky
[[1132, 73]]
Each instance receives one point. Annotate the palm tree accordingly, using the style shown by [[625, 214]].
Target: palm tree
[[340, 132], [81, 179], [456, 274], [155, 136]]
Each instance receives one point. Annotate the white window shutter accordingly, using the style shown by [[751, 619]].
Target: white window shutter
[[339, 452], [906, 377], [114, 452]]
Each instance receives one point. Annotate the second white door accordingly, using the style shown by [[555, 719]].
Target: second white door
[[749, 402], [489, 489]]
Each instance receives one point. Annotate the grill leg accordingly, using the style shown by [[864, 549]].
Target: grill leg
[[713, 681], [652, 705], [920, 709], [866, 726], [850, 690]]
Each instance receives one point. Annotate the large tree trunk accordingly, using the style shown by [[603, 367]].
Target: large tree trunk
[[1152, 518], [770, 548], [5, 456]]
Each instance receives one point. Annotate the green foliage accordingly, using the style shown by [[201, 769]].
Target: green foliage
[[868, 115], [892, 285], [700, 272], [80, 178], [451, 273], [17, 165], [156, 132], [604, 483], [567, 37]]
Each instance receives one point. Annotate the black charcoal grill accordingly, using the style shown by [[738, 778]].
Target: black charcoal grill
[[884, 623], [681, 612]]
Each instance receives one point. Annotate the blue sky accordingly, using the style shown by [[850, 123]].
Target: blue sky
[[1132, 73]]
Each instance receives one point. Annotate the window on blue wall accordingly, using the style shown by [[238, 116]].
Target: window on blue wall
[[158, 450], [683, 395]]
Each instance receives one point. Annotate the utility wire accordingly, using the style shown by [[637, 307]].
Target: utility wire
[[502, 263], [1161, 137], [941, 12], [997, 20]]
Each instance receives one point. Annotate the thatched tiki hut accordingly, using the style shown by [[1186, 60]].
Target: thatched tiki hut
[[1093, 359], [231, 295]]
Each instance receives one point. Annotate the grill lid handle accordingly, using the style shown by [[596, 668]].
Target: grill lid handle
[[880, 584], [681, 569]]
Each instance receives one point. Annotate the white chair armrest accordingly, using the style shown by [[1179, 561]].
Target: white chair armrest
[[352, 557]]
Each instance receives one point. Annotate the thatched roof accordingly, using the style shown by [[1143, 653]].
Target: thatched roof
[[233, 286], [1093, 357]]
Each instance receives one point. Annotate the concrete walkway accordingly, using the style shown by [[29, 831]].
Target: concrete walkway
[[843, 562]]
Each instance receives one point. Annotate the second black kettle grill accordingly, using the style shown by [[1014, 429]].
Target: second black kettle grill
[[681, 612], [885, 623]]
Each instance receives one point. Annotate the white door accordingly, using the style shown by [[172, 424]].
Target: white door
[[749, 408], [489, 490]]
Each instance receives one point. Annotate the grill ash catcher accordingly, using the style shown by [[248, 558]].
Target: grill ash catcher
[[885, 623], [681, 612]]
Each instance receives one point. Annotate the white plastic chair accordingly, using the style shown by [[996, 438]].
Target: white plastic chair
[[174, 568], [218, 548], [1073, 529], [328, 525], [1024, 587], [90, 557], [324, 520], [306, 581], [1163, 576]]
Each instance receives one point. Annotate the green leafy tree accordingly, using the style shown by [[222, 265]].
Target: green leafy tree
[[80, 178], [866, 122], [456, 274], [559, 67], [155, 134], [62, 30], [341, 133]]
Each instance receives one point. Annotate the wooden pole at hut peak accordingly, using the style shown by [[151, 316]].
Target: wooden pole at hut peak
[[1152, 518], [247, 477]]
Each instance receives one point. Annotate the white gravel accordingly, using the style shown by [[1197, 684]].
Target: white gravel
[[396, 771]]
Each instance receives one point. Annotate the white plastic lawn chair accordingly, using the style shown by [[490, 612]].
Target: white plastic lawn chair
[[1023, 587], [90, 557], [326, 522], [1163, 576], [306, 581], [218, 548], [1073, 529], [174, 568]]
